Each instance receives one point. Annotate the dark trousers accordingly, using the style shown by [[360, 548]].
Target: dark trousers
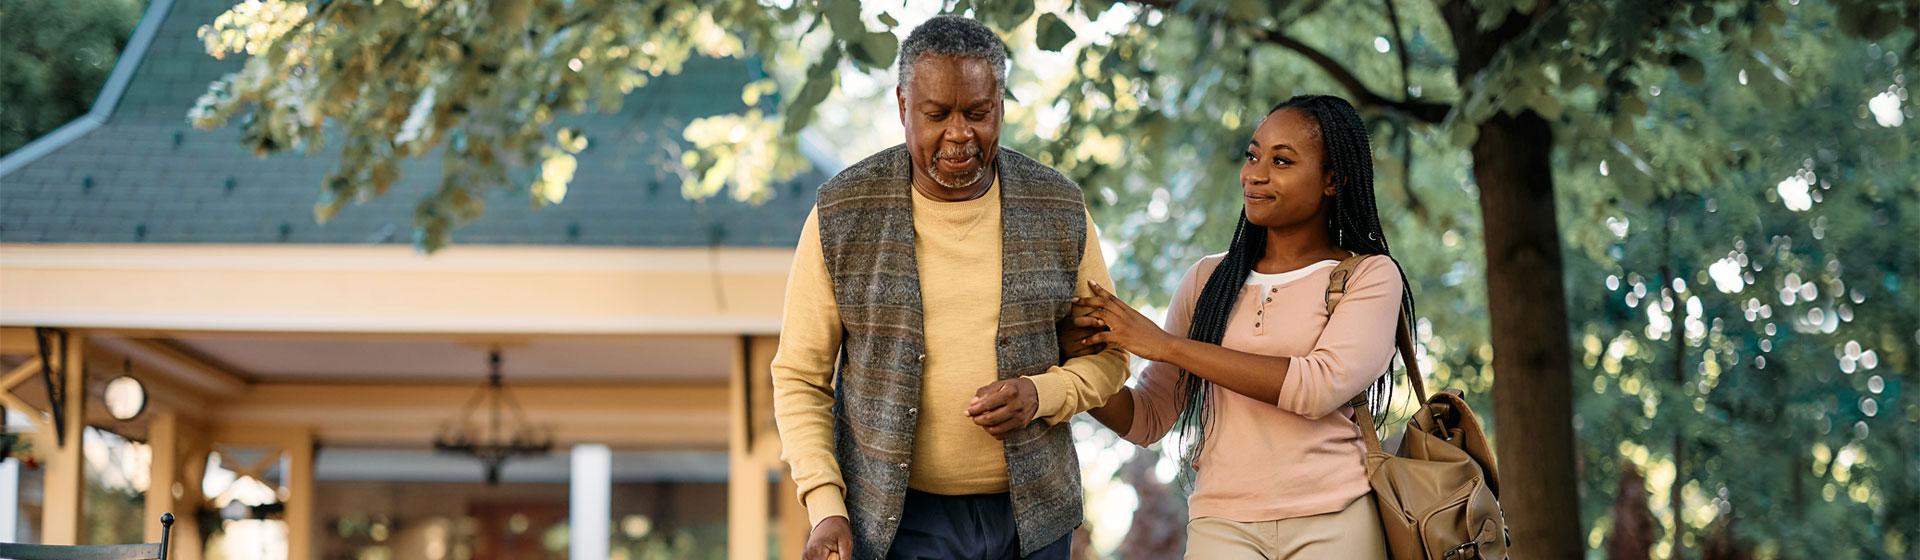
[[977, 527]]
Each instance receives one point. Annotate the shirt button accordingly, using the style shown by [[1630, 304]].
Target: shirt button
[[1276, 290], [1260, 312], [1256, 325]]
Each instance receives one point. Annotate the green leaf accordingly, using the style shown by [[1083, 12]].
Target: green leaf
[[1772, 13], [1290, 10], [327, 208], [1009, 15], [820, 81], [878, 49], [571, 140], [1689, 68], [1702, 15], [844, 17], [384, 174], [1051, 34], [1022, 9], [887, 18], [1633, 105], [1547, 105], [1247, 10], [1463, 135]]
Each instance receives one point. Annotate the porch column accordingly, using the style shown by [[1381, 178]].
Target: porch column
[[300, 523], [746, 477], [60, 520], [9, 500], [590, 509], [163, 435], [191, 469], [793, 519]]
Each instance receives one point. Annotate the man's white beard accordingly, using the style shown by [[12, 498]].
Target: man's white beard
[[956, 181]]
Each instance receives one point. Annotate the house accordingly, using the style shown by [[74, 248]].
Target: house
[[295, 377]]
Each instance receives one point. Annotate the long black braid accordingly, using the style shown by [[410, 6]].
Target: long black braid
[[1354, 223]]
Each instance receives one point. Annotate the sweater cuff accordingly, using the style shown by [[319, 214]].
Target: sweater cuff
[[824, 502], [1052, 388]]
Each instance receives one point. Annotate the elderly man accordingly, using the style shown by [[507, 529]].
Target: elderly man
[[919, 389]]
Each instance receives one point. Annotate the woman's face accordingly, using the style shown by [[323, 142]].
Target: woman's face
[[1283, 181]]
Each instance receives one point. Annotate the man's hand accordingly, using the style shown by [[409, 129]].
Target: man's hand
[[1126, 328], [1074, 331], [831, 539], [1004, 407]]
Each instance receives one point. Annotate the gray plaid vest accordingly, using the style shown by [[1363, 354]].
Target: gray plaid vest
[[866, 231]]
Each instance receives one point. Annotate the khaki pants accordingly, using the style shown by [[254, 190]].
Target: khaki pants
[[1352, 533]]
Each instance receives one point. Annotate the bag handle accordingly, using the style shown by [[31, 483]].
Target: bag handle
[[1403, 340]]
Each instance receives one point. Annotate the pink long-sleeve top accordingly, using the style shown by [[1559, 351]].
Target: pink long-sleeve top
[[1302, 455]]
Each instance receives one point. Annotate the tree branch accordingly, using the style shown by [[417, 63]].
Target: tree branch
[[1400, 46], [1424, 111], [1405, 137], [1476, 48], [393, 49], [1427, 112]]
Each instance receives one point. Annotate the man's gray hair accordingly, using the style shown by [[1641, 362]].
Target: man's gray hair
[[954, 36]]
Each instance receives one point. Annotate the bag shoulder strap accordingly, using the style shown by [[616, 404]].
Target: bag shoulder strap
[[1337, 282], [1403, 340]]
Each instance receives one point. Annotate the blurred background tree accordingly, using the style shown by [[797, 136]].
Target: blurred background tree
[[54, 56], [1747, 339], [1688, 222], [1517, 110]]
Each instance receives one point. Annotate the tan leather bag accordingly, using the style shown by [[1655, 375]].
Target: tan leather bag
[[1438, 496]]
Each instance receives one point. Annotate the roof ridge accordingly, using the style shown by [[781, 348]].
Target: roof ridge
[[103, 104]]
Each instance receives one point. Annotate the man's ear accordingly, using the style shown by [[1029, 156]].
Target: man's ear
[[900, 98]]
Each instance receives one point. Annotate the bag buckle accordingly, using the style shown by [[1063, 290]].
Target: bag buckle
[[1462, 552]]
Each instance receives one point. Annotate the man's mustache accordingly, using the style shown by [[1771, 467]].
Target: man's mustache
[[961, 151]]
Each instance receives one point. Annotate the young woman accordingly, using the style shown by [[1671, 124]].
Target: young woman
[[1253, 369]]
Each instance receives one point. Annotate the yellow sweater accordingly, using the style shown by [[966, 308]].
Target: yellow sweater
[[957, 245]]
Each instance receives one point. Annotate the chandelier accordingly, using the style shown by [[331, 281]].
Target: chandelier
[[494, 444]]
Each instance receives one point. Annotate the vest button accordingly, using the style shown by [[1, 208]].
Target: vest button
[[1003, 343], [913, 411], [920, 358], [892, 519], [903, 466]]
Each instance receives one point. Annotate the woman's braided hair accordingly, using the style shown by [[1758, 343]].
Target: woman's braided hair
[[1354, 223]]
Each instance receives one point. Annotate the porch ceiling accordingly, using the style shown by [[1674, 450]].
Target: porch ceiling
[[556, 359]]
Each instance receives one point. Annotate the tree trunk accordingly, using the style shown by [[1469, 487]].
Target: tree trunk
[[1632, 537], [1527, 303], [1668, 273]]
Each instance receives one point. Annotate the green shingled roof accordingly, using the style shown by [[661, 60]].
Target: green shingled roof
[[147, 176]]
